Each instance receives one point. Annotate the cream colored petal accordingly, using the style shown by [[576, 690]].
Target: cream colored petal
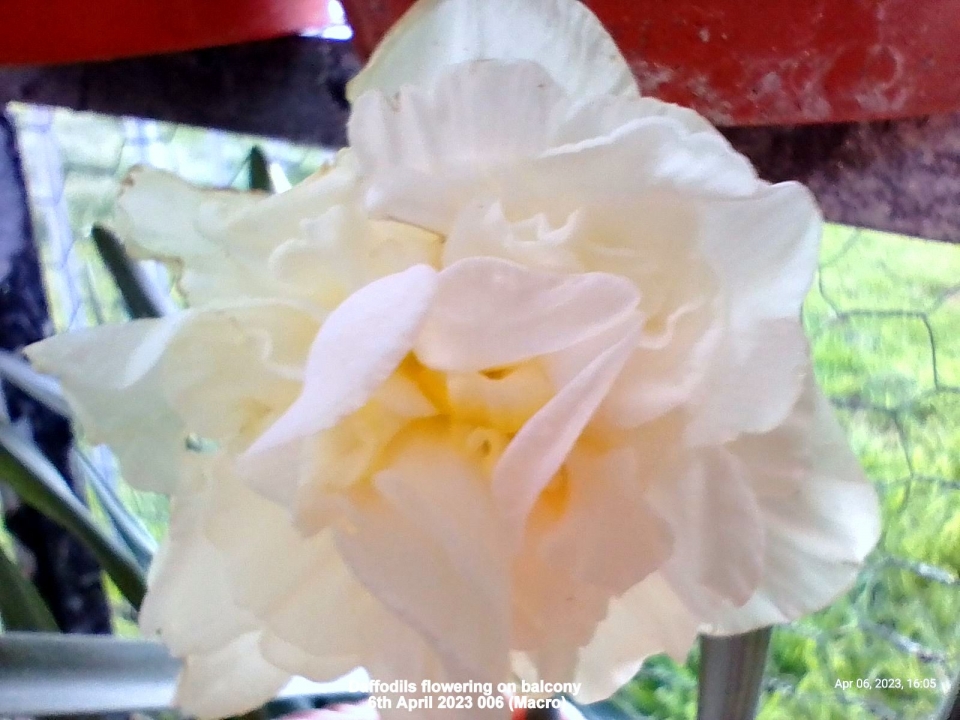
[[503, 401], [311, 476], [538, 451], [648, 619], [608, 535], [231, 371], [650, 154], [562, 35], [764, 249], [757, 374], [555, 613], [358, 347], [111, 378], [667, 366], [343, 249], [426, 153], [425, 539], [717, 525], [230, 681], [191, 604], [483, 230], [821, 518], [220, 240], [609, 112], [490, 313]]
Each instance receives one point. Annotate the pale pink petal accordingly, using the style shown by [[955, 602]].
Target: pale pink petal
[[424, 539], [648, 619], [564, 37], [608, 535], [666, 367], [489, 313], [537, 452], [358, 347], [554, 612]]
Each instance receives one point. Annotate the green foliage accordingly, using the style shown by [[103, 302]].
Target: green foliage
[[21, 607], [38, 484]]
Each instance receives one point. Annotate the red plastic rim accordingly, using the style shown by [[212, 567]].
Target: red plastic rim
[[57, 31], [771, 61]]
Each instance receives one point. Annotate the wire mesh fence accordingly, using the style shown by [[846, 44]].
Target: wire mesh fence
[[884, 323]]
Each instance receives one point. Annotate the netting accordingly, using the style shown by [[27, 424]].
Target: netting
[[884, 323]]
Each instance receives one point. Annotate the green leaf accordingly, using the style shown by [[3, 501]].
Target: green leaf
[[42, 388], [21, 607], [265, 175], [128, 526], [45, 674], [141, 296], [39, 484], [259, 170]]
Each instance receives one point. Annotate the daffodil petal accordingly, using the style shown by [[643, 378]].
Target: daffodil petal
[[425, 154], [813, 552], [717, 525], [646, 620], [538, 450], [426, 539], [767, 359], [490, 313], [230, 681], [764, 248], [628, 539], [358, 347], [219, 241], [111, 377], [564, 37]]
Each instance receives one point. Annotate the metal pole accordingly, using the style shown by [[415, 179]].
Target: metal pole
[[731, 672]]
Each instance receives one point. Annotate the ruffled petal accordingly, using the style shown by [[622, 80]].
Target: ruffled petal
[[764, 249], [717, 525], [666, 368], [607, 535], [112, 380], [231, 681], [220, 240], [756, 375], [646, 620], [539, 449], [649, 154], [426, 153], [358, 347], [563, 36], [425, 538], [489, 313], [231, 371], [821, 517], [483, 230], [342, 250]]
